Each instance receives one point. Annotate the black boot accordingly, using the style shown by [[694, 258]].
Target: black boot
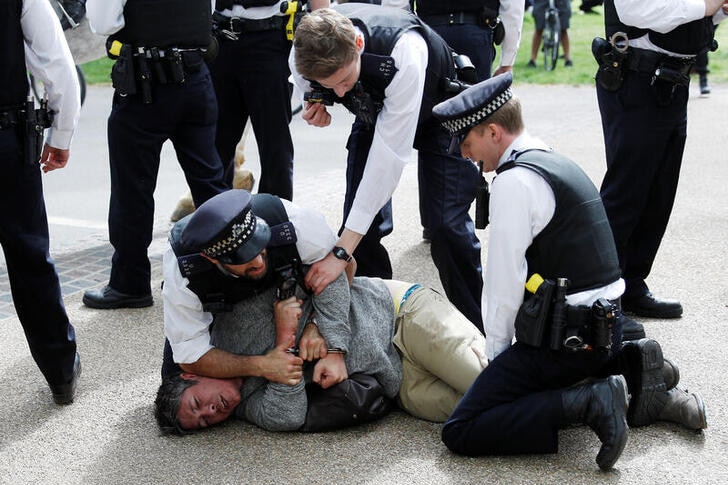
[[683, 408], [602, 405], [645, 361]]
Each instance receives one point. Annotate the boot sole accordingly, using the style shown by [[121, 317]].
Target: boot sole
[[644, 408], [618, 385]]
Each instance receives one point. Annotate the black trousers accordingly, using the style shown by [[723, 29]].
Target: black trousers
[[514, 406], [447, 187], [33, 279], [475, 41], [250, 76], [185, 114], [644, 137]]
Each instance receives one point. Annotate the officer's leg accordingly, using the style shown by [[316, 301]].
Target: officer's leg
[[447, 189], [33, 279], [136, 133], [193, 137], [371, 257], [268, 98], [226, 72], [474, 41]]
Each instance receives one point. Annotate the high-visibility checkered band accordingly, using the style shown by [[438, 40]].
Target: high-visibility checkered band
[[457, 125], [240, 232]]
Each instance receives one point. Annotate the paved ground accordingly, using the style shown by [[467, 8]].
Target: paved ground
[[109, 436]]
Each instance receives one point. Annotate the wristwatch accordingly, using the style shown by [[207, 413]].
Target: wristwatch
[[340, 253]]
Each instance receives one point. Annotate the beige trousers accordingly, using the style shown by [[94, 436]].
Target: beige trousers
[[439, 364]]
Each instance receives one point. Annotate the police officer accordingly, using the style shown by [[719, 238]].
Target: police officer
[[644, 121], [231, 248], [250, 75], [472, 27], [162, 92], [32, 39], [549, 233], [389, 69]]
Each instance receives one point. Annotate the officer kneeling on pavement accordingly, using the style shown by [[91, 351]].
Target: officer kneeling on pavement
[[547, 225]]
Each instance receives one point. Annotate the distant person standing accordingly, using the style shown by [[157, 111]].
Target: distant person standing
[[644, 118], [539, 16], [32, 39], [162, 91]]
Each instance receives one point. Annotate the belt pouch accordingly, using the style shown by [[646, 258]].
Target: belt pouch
[[533, 315]]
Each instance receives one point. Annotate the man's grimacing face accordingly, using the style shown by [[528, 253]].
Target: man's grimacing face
[[255, 269], [209, 402]]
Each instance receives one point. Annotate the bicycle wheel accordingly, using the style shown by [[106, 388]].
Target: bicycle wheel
[[551, 40]]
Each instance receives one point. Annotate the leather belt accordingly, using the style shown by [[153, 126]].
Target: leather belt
[[239, 25], [10, 118], [644, 60], [454, 18]]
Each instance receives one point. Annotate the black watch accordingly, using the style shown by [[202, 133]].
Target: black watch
[[340, 253]]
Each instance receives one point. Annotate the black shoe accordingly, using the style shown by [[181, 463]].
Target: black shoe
[[63, 393], [645, 358], [531, 63], [670, 374], [603, 406], [685, 408], [108, 298], [632, 330], [704, 86], [426, 235], [649, 306]]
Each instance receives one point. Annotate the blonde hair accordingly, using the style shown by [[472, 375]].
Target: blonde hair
[[324, 42], [508, 116]]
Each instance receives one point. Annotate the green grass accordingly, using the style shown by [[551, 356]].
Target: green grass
[[581, 32]]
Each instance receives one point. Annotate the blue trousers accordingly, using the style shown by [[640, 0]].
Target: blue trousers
[[186, 115], [250, 76], [33, 279], [447, 187], [644, 143]]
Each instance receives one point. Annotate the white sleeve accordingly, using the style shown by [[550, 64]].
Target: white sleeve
[[315, 239], [186, 325], [105, 17], [394, 132], [49, 60], [662, 16], [521, 204], [511, 14]]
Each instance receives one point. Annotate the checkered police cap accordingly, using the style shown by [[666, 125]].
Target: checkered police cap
[[225, 228], [475, 104]]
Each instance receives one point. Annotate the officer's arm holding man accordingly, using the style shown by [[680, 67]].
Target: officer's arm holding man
[[391, 149]]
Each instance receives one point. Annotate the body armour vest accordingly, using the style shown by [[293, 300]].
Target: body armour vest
[[218, 291], [167, 23], [436, 7], [382, 28], [687, 39], [577, 243], [13, 78]]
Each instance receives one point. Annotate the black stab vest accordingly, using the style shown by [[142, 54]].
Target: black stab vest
[[13, 78], [166, 23], [691, 38], [577, 243], [382, 27], [218, 291]]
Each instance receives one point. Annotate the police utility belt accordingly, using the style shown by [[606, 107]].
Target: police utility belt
[[546, 320], [31, 123], [137, 68], [615, 57], [485, 17], [230, 28]]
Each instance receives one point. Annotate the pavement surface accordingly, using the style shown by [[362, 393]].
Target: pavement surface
[[109, 434]]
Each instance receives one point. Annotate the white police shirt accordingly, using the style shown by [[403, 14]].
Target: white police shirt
[[187, 326], [521, 204], [48, 58]]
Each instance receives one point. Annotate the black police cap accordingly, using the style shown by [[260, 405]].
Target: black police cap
[[472, 106], [224, 228]]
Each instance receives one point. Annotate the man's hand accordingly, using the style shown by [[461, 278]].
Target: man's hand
[[286, 314], [282, 367], [315, 114], [503, 69], [324, 272], [53, 158], [311, 345], [330, 371]]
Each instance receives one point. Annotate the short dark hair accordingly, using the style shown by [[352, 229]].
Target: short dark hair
[[167, 404]]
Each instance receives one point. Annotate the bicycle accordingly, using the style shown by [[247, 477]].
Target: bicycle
[[551, 39]]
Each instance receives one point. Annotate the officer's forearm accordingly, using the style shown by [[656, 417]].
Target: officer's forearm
[[712, 6], [221, 364]]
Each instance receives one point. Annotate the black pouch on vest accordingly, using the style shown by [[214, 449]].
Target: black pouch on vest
[[356, 400], [533, 315], [611, 64]]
